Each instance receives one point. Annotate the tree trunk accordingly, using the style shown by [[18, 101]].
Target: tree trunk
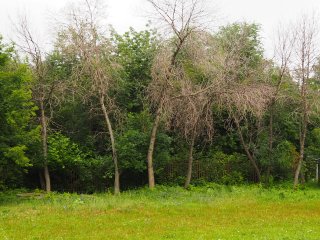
[[249, 155], [270, 144], [190, 162], [44, 137], [113, 146], [41, 179], [303, 132], [301, 155], [151, 147], [156, 122], [47, 178]]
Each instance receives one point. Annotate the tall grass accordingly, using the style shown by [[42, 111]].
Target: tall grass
[[207, 212]]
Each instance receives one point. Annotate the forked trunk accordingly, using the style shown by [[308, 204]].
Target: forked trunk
[[44, 137], [113, 146], [190, 163], [248, 153]]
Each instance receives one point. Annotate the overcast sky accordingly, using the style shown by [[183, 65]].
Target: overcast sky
[[125, 13]]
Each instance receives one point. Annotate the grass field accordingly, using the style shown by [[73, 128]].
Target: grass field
[[211, 212]]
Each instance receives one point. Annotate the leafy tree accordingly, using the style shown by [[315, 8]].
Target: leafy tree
[[17, 112], [135, 51]]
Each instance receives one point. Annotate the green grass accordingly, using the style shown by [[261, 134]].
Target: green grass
[[211, 212]]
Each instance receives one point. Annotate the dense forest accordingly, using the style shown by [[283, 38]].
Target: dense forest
[[175, 104]]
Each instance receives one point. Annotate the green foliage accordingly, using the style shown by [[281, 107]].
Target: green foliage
[[17, 133], [313, 149], [17, 155], [80, 159], [248, 54], [62, 152], [74, 168], [135, 51], [251, 47], [133, 143], [286, 154], [214, 166]]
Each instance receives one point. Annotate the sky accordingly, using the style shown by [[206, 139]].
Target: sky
[[125, 13]]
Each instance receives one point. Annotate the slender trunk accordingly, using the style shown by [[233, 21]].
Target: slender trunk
[[249, 155], [303, 132], [47, 178], [156, 122], [44, 137], [301, 155], [113, 146], [151, 146], [270, 144], [190, 162]]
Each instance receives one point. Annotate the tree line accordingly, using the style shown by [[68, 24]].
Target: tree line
[[103, 109]]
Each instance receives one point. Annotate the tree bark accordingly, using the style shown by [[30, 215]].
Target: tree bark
[[190, 163], [44, 137], [41, 179], [304, 123], [248, 153], [113, 146], [270, 144], [151, 146], [302, 146]]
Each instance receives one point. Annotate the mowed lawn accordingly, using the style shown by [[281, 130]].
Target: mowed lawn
[[212, 212]]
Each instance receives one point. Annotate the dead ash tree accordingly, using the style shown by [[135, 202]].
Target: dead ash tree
[[243, 103], [193, 118], [180, 19], [95, 73], [46, 90], [246, 84], [306, 53], [283, 51], [192, 114]]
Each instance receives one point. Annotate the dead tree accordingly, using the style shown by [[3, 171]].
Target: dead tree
[[306, 54], [246, 92], [282, 57], [180, 19], [94, 74], [192, 118], [243, 101], [43, 90]]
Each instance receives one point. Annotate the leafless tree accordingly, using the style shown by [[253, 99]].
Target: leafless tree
[[306, 53], [43, 90], [282, 57], [192, 117], [246, 88], [95, 72], [192, 114], [180, 19]]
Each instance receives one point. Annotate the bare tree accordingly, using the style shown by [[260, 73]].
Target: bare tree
[[192, 109], [43, 91], [180, 19], [244, 102], [306, 54], [95, 72], [193, 118], [247, 91], [282, 56]]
